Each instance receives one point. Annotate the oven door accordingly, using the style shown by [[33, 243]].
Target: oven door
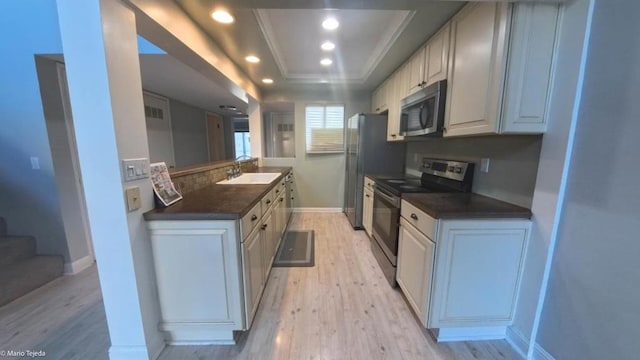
[[386, 215]]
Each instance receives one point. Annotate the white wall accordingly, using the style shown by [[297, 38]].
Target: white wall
[[189, 131], [549, 192], [512, 167], [591, 308], [103, 70], [319, 179], [67, 176], [28, 198]]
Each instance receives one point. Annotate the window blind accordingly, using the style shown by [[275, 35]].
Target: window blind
[[324, 129]]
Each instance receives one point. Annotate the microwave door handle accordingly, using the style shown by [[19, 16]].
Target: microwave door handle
[[423, 120]]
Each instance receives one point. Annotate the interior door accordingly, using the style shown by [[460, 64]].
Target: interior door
[[160, 139], [352, 171], [215, 137]]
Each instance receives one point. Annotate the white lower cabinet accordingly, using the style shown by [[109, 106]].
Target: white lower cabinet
[[199, 278], [415, 265], [367, 210], [254, 269], [211, 273], [464, 283]]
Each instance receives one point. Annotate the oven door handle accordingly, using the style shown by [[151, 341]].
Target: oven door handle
[[390, 198]]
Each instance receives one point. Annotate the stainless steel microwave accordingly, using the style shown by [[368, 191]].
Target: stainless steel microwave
[[422, 113]]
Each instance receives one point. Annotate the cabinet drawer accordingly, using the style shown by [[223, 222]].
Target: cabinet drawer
[[250, 220], [369, 184], [425, 223], [268, 200]]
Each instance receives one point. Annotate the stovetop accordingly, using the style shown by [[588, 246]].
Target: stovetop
[[442, 176], [398, 185]]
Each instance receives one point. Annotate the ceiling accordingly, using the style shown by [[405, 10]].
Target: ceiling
[[373, 39]]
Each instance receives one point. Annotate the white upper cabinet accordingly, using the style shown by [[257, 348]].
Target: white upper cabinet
[[437, 56], [500, 68], [416, 70], [529, 68], [393, 99], [476, 66]]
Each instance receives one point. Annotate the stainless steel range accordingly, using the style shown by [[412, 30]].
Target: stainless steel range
[[437, 176]]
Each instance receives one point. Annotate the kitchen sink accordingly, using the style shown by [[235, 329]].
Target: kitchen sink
[[251, 179]]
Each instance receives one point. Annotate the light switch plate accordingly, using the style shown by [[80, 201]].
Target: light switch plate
[[135, 169], [133, 198]]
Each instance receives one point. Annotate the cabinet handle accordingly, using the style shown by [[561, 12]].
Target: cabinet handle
[[254, 217], [281, 199], [263, 227], [268, 202], [393, 135], [423, 83], [444, 129], [277, 191], [414, 216], [367, 195], [377, 109]]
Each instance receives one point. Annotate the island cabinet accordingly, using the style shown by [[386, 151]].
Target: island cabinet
[[500, 68], [461, 277], [211, 274]]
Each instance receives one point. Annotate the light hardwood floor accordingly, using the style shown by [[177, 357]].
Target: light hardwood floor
[[342, 308]]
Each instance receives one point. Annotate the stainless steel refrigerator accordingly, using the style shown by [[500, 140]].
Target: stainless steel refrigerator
[[367, 152]]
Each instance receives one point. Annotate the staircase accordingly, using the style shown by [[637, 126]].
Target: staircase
[[21, 270]]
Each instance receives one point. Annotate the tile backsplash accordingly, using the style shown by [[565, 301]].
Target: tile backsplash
[[208, 174]]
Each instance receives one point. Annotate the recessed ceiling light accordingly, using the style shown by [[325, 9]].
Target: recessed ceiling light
[[252, 59], [324, 81], [328, 46], [267, 81], [330, 23], [222, 16], [326, 62]]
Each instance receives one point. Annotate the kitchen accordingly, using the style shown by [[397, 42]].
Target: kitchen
[[420, 151]]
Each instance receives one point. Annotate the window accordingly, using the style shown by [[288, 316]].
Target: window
[[324, 129], [243, 147]]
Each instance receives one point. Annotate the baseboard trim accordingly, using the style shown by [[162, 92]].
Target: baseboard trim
[[75, 267], [317, 210], [518, 341], [138, 352], [470, 333], [539, 353]]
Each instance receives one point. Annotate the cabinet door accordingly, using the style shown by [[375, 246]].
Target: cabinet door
[[415, 267], [476, 69], [267, 237], [254, 275], [437, 56], [367, 211], [393, 100], [416, 71], [532, 40], [478, 270]]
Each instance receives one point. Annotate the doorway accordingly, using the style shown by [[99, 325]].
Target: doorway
[[215, 137], [159, 134]]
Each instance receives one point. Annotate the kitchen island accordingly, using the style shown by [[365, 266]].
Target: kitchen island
[[212, 255]]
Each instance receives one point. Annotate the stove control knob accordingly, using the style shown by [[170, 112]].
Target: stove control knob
[[450, 169], [458, 170]]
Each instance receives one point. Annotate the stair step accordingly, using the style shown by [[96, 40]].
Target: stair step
[[16, 248], [25, 276]]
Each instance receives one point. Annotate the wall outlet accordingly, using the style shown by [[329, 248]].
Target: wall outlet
[[133, 198], [484, 165]]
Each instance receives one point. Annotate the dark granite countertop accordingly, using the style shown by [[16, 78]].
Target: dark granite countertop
[[465, 206], [217, 202]]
